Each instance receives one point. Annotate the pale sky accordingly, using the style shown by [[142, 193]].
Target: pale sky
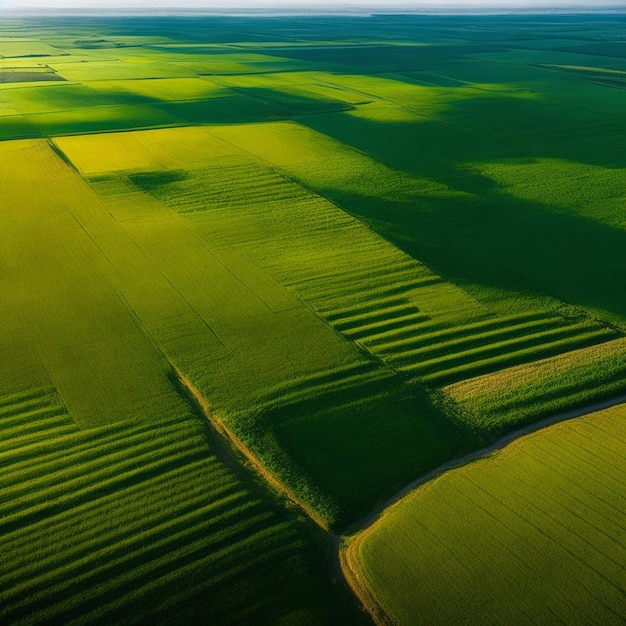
[[260, 4]]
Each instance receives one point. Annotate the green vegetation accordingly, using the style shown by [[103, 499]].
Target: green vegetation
[[525, 393], [28, 74], [534, 533], [130, 522], [303, 375], [360, 248]]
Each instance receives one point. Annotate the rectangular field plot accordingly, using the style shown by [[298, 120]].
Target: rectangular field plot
[[544, 517], [162, 89], [14, 126], [176, 149], [281, 143], [101, 119], [22, 48], [58, 97], [235, 63], [115, 69], [129, 523], [28, 75], [103, 365], [290, 97]]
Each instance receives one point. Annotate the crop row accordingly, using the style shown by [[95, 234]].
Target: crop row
[[101, 523], [68, 464], [213, 526], [501, 354], [30, 417], [48, 449], [14, 405], [492, 327], [319, 390], [231, 187], [203, 477], [436, 353]]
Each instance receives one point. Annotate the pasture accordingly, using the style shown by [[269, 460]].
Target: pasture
[[358, 248]]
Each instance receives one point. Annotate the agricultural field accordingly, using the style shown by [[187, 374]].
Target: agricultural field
[[260, 275], [535, 533], [136, 521]]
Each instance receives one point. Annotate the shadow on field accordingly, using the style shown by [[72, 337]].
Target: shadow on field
[[484, 235], [292, 104], [361, 443]]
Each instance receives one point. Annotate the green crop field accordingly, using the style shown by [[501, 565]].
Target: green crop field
[[130, 522], [533, 534], [259, 275]]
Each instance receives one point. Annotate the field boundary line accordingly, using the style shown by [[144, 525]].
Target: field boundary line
[[348, 544], [363, 592], [375, 515], [227, 437], [228, 444]]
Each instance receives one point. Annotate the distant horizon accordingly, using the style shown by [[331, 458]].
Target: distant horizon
[[301, 10], [308, 6]]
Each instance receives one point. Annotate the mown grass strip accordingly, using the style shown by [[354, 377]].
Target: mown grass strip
[[109, 462], [75, 520], [88, 457], [35, 419], [356, 321], [28, 406], [404, 326], [437, 371], [37, 436], [369, 307], [456, 339], [22, 397], [139, 561], [24, 510], [101, 538], [231, 562]]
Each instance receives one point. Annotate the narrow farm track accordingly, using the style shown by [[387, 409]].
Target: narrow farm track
[[229, 444], [232, 452], [366, 521]]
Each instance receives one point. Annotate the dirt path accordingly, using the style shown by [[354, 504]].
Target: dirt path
[[226, 443], [236, 455], [369, 519]]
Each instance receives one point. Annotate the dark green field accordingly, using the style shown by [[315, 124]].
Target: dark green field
[[260, 274]]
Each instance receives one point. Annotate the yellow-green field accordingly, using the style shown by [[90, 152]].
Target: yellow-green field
[[260, 275], [533, 534]]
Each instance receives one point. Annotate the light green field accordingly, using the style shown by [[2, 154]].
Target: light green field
[[10, 48], [536, 533], [76, 325]]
